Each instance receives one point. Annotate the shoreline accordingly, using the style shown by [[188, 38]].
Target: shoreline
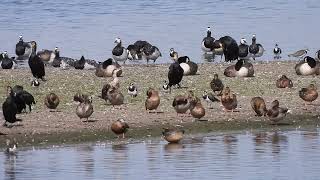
[[44, 127]]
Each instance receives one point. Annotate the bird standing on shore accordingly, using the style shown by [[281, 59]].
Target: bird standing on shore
[[6, 62], [153, 100], [175, 75], [209, 98], [85, 109], [196, 109], [119, 53], [230, 48], [207, 44], [181, 103], [308, 94], [243, 49], [229, 100], [120, 127], [9, 108], [299, 54], [259, 106], [255, 49], [36, 64], [22, 49], [132, 90], [276, 113], [277, 52], [216, 84]]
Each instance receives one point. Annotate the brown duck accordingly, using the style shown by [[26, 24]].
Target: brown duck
[[112, 94], [228, 100], [79, 97], [181, 103], [216, 84], [106, 68], [172, 135], [259, 106], [153, 99], [276, 113], [84, 109], [308, 94], [284, 82], [52, 101], [196, 109], [119, 127]]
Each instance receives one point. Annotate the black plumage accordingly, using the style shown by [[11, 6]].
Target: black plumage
[[243, 49], [21, 47], [117, 50], [238, 65], [36, 64], [208, 41], [254, 48], [9, 108], [7, 63], [23, 98], [107, 63], [175, 74], [311, 61], [183, 59], [230, 48], [80, 63]]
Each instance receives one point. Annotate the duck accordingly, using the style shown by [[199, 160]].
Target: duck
[[80, 97], [284, 82], [85, 109], [172, 135], [175, 75], [277, 52], [115, 81], [153, 99], [12, 147], [6, 62], [119, 53], [308, 94], [47, 56], [132, 90], [181, 103], [196, 109], [308, 66], [255, 50], [240, 69], [209, 98], [119, 127], [259, 106], [230, 48], [84, 64], [151, 52], [22, 49], [243, 49], [9, 108], [207, 44], [276, 113], [228, 100], [106, 68], [23, 98], [36, 64], [113, 95], [216, 84], [299, 54], [51, 100]]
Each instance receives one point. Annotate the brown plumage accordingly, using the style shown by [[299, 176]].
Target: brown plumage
[[172, 136], [106, 68], [84, 109], [308, 94], [196, 108], [284, 82], [153, 99], [79, 97], [228, 99], [52, 101], [119, 127], [112, 94], [181, 103], [276, 113], [216, 84], [259, 106]]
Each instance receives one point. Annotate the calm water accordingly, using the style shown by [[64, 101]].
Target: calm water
[[267, 155], [84, 27]]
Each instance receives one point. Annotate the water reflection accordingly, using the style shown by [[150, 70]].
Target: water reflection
[[10, 166]]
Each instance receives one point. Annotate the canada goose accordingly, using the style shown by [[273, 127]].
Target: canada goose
[[228, 100], [153, 99], [209, 98], [52, 101], [240, 69], [189, 67], [277, 52], [85, 109], [119, 127], [119, 53], [172, 136], [132, 90], [308, 94], [259, 106], [243, 49], [230, 48], [151, 53], [22, 49], [216, 84], [207, 43], [175, 74], [84, 64], [6, 62], [308, 66], [196, 109], [181, 103], [36, 64], [173, 54], [255, 50], [139, 46], [47, 56], [299, 54], [284, 82], [9, 108], [276, 113], [134, 52]]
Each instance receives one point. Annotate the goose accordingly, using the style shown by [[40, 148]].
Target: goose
[[277, 52], [173, 54], [175, 75], [61, 62], [119, 53], [119, 127], [134, 52], [9, 108], [189, 67], [85, 109], [216, 84], [218, 49], [196, 109], [209, 98], [284, 82], [151, 53], [259, 106], [243, 49], [255, 50], [153, 100], [132, 90], [6, 62], [12, 147], [308, 66], [240, 69], [84, 64], [172, 135], [318, 54], [230, 48], [207, 44], [51, 101], [228, 100], [276, 113], [308, 94], [181, 103], [106, 68], [36, 64], [23, 98], [22, 49], [47, 56], [299, 54], [140, 44]]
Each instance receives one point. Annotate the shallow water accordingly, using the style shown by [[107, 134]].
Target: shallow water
[[84, 27], [244, 155]]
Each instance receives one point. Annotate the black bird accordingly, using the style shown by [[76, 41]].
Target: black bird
[[256, 50], [6, 62], [80, 63], [207, 44], [134, 52], [22, 98], [230, 48], [243, 49], [175, 74], [36, 64], [140, 45], [277, 52], [151, 53], [21, 48], [9, 108]]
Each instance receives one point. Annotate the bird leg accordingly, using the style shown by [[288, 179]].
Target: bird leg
[[123, 136]]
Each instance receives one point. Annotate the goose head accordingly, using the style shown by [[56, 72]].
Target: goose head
[[243, 41], [117, 41]]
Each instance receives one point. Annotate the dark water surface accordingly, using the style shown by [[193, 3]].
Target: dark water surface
[[245, 155], [84, 27]]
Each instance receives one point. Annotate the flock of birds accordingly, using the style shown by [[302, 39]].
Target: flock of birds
[[19, 99]]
